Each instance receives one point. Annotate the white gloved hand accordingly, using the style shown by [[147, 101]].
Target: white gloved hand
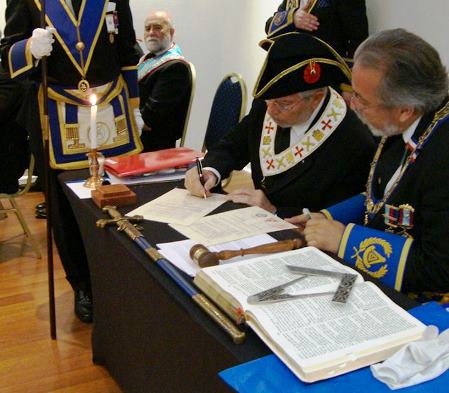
[[42, 42], [139, 120]]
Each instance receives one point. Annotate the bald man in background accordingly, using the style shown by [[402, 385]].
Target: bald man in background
[[164, 83]]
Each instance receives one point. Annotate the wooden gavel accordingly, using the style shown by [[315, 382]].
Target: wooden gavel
[[204, 257]]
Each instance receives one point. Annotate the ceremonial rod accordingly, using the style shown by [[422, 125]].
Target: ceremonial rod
[[134, 234], [45, 133]]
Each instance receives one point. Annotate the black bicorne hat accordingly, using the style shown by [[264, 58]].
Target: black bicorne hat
[[298, 62]]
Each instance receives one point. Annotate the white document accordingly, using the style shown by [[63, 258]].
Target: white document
[[232, 225], [178, 206], [78, 188], [178, 252]]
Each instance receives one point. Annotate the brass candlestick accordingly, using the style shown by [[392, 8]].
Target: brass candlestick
[[96, 160]]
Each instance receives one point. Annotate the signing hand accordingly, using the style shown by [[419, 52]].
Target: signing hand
[[193, 184], [252, 198], [305, 21]]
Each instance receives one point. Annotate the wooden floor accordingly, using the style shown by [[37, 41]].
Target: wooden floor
[[30, 361]]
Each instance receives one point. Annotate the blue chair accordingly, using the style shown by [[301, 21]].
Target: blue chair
[[192, 72], [228, 107]]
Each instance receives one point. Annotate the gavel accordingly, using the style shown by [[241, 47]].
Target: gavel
[[204, 257]]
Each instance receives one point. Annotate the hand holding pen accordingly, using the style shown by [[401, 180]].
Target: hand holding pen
[[199, 169]]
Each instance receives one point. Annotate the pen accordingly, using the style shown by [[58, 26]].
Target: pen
[[199, 168], [307, 213]]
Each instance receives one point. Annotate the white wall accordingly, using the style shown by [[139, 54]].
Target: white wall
[[222, 36], [427, 18]]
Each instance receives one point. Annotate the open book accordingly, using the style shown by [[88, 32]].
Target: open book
[[314, 336]]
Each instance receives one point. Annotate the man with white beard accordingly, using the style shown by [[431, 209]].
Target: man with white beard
[[164, 83], [398, 230]]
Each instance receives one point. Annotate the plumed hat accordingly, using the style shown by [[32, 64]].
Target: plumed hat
[[298, 62]]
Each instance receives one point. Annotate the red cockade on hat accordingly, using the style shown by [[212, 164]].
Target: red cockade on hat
[[312, 73]]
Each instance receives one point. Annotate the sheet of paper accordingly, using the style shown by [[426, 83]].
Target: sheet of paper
[[178, 206], [178, 252], [78, 188], [232, 225], [156, 178]]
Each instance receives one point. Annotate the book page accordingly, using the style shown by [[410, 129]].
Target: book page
[[233, 225], [315, 337], [178, 206], [245, 278]]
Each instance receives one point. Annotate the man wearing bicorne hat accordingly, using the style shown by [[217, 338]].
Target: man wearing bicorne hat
[[398, 230], [304, 145]]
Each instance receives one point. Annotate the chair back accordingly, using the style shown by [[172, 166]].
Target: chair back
[[228, 107], [189, 107], [15, 208]]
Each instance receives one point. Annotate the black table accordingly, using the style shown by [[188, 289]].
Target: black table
[[147, 332]]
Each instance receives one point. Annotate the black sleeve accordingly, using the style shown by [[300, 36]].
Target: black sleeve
[[167, 96], [354, 24], [19, 26], [128, 53], [427, 266]]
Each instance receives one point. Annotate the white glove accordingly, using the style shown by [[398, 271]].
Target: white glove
[[417, 362], [139, 120], [42, 42]]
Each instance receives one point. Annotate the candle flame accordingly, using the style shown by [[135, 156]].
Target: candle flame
[[93, 99]]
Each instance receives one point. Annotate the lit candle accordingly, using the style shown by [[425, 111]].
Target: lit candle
[[93, 122]]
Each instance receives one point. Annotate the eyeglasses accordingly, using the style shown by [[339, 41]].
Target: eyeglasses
[[361, 104], [286, 106]]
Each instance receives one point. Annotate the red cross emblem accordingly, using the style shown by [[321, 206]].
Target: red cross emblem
[[269, 127], [326, 124], [270, 164], [298, 151]]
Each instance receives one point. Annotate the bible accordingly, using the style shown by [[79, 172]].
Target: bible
[[314, 336]]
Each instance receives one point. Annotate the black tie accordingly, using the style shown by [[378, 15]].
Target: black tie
[[76, 6]]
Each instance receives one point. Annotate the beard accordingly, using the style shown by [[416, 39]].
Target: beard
[[387, 130], [155, 45]]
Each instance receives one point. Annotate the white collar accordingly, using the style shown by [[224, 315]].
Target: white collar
[[297, 131], [408, 133]]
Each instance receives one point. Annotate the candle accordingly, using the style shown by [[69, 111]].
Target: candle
[[93, 122]]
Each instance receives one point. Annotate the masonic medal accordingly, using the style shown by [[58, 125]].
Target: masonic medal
[[83, 85]]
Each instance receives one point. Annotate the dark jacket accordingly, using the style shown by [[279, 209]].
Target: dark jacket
[[333, 172], [424, 186], [164, 101], [14, 155], [343, 24]]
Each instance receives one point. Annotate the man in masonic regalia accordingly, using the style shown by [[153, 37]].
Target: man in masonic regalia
[[90, 49], [398, 230], [304, 145]]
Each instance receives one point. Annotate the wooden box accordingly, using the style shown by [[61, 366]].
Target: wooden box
[[113, 194]]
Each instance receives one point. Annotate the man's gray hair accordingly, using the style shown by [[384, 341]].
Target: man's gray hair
[[413, 73]]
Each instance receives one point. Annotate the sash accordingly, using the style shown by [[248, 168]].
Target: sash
[[273, 164], [148, 66], [69, 124]]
